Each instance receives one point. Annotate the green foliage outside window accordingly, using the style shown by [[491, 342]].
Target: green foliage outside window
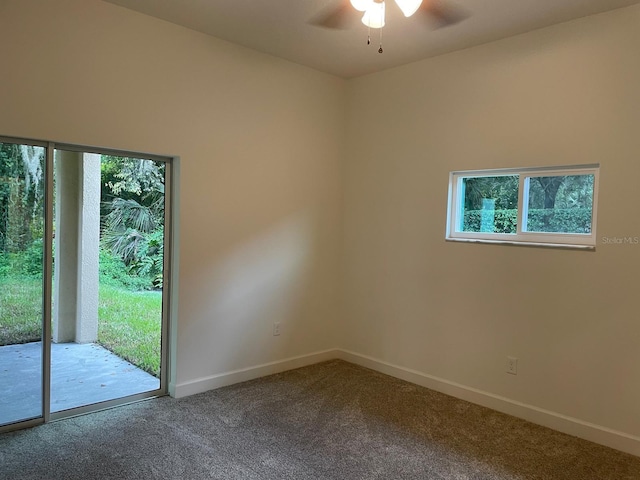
[[556, 204], [132, 229], [567, 220]]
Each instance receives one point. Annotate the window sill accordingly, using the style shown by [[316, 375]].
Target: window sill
[[568, 246]]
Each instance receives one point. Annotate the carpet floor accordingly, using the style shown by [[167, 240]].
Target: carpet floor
[[334, 420]]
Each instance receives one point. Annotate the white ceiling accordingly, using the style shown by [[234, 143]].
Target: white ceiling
[[281, 28]]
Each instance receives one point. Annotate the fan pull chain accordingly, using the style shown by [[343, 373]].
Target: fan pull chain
[[369, 35], [380, 49]]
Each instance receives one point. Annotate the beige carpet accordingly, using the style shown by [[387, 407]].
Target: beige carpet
[[333, 420]]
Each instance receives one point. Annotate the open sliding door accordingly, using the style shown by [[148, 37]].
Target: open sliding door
[[109, 270], [84, 257]]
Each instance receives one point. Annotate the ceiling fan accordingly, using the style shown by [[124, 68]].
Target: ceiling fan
[[341, 16]]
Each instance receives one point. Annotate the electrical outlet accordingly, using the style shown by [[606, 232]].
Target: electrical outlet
[[512, 365], [276, 329]]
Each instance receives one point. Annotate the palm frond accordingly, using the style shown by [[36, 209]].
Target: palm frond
[[130, 214]]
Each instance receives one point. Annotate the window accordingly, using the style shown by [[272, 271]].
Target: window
[[540, 206]]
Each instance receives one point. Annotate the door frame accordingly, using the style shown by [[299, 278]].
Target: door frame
[[169, 293]]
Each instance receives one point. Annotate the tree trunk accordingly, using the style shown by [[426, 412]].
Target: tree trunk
[[550, 186]]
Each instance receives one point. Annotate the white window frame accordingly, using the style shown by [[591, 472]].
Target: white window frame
[[565, 240]]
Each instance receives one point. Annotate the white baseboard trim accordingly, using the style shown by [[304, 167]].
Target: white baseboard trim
[[556, 421], [562, 423], [242, 375]]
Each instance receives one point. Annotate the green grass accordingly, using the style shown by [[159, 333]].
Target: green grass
[[129, 322], [130, 326], [20, 310]]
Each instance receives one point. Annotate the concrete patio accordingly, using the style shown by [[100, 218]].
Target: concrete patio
[[81, 374]]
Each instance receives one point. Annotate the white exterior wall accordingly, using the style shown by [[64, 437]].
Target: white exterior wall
[[89, 250], [76, 244]]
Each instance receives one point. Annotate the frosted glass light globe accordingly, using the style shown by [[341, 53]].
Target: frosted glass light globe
[[361, 5], [374, 16]]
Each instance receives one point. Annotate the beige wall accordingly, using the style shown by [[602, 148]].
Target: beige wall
[[260, 141], [563, 95]]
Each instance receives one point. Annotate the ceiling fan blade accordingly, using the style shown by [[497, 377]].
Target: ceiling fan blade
[[444, 13], [338, 17]]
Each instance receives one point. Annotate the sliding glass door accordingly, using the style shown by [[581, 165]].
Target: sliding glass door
[[84, 257], [22, 222], [109, 269]]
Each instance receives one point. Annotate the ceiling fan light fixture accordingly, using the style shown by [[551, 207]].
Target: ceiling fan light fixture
[[374, 15], [408, 7], [361, 5]]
